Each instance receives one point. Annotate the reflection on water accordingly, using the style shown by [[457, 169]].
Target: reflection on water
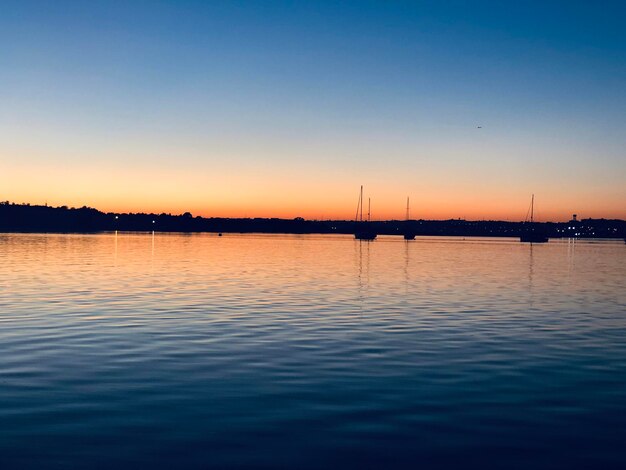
[[162, 350]]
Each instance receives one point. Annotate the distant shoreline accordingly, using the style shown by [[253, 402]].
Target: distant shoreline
[[349, 235], [25, 218]]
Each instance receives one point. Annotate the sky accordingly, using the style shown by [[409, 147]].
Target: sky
[[284, 108]]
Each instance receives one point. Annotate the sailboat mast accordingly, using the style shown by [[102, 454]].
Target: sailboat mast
[[369, 209], [532, 208], [361, 199], [407, 208]]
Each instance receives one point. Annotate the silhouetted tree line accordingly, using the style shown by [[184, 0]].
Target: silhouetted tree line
[[33, 218]]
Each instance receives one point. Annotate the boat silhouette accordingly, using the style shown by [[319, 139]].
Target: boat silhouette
[[363, 228], [532, 234], [408, 233]]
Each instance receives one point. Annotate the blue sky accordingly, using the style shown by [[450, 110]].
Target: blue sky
[[230, 106]]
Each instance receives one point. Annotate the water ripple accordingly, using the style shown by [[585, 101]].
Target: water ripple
[[259, 351]]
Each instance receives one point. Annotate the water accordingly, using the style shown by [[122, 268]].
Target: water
[[269, 351]]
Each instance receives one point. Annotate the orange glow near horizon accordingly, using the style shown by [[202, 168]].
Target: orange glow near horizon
[[312, 196]]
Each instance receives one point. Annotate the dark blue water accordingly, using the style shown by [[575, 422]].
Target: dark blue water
[[193, 351]]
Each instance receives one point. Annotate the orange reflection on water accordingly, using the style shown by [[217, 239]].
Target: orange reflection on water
[[196, 271]]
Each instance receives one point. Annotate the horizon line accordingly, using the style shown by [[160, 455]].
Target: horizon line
[[182, 214]]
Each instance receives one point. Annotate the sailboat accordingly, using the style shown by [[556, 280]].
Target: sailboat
[[408, 233], [532, 235], [363, 230]]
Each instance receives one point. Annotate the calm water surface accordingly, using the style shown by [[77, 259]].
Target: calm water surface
[[266, 351]]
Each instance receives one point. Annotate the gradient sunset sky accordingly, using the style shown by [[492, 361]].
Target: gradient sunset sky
[[245, 108]]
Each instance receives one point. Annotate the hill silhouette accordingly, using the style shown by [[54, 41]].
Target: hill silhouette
[[37, 218]]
